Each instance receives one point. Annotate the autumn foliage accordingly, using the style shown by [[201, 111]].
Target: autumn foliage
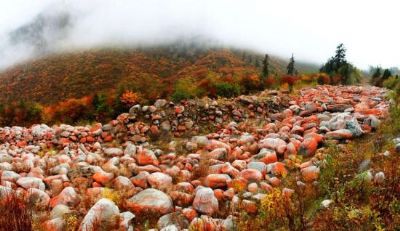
[[100, 84], [129, 98], [70, 110]]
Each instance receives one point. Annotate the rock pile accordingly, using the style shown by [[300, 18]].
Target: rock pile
[[113, 174]]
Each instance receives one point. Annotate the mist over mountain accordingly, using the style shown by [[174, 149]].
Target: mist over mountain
[[43, 32], [65, 26], [41, 35], [33, 28]]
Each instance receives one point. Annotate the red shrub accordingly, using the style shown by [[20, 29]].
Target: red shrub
[[323, 78], [289, 79], [15, 213]]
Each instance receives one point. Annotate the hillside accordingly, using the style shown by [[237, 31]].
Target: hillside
[[74, 75]]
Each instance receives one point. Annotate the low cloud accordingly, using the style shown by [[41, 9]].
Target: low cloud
[[310, 29]]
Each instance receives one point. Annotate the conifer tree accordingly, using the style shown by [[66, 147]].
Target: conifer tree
[[265, 70], [290, 68]]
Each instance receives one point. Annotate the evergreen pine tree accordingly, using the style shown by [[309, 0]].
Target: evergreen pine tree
[[386, 74], [290, 68], [265, 70], [376, 75], [338, 65], [340, 56]]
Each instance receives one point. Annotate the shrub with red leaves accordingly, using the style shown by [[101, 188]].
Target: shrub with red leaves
[[290, 80], [15, 213]]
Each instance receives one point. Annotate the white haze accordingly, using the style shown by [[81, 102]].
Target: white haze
[[311, 29]]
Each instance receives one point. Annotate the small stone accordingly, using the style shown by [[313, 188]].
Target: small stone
[[326, 203], [379, 177], [364, 165], [160, 103], [252, 187]]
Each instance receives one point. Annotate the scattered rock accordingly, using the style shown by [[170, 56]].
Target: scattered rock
[[113, 152], [103, 215], [205, 202], [326, 203], [150, 201], [160, 180], [310, 173]]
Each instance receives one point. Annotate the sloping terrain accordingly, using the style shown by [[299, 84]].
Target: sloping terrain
[[74, 75]]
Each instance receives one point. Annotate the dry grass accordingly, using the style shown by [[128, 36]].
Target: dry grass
[[201, 170], [15, 213]]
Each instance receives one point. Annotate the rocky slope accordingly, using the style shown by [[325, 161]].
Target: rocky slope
[[191, 164]]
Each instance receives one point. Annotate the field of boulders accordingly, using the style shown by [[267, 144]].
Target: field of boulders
[[192, 165]]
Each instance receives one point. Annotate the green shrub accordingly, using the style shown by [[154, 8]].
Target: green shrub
[[185, 89], [227, 89], [391, 82]]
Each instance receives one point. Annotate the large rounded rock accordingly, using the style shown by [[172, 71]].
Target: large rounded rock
[[68, 197], [40, 130], [140, 180], [267, 156], [218, 154], [276, 144], [160, 180], [217, 180], [130, 149], [200, 140], [31, 182], [205, 202], [354, 127], [146, 157], [251, 175], [9, 176], [38, 198], [308, 146], [123, 183], [339, 134], [150, 201], [59, 211], [126, 221], [103, 215], [310, 173], [177, 219], [260, 166], [103, 177], [113, 152]]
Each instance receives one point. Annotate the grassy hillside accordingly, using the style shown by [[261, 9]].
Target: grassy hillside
[[98, 85], [74, 75]]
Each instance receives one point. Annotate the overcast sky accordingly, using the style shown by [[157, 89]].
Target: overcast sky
[[311, 29]]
